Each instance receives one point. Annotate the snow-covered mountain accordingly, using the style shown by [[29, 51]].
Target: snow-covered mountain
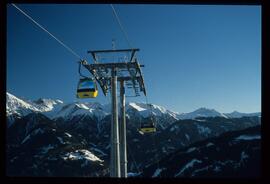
[[57, 137], [236, 114], [36, 146], [202, 112], [44, 105], [146, 110], [16, 106], [54, 109]]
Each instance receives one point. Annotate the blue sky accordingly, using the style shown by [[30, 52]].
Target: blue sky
[[194, 55]]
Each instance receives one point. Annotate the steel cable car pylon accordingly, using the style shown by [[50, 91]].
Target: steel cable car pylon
[[107, 75]]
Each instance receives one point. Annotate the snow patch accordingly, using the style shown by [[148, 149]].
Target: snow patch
[[99, 151], [135, 106], [191, 150], [243, 157], [157, 172], [17, 107], [82, 106], [172, 128], [39, 130], [199, 170], [81, 154], [35, 132], [164, 150], [187, 136], [60, 140], [248, 137], [131, 174], [46, 148], [187, 166], [68, 134], [209, 144], [217, 168], [202, 112], [25, 139], [203, 130]]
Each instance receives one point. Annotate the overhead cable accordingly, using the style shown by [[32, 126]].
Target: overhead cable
[[59, 41], [121, 26]]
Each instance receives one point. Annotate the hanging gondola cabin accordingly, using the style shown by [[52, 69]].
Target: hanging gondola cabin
[[148, 127], [87, 88]]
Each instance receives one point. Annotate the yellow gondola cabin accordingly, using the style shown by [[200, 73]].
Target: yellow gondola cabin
[[148, 127], [87, 88]]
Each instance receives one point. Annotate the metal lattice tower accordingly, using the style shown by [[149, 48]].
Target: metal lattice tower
[[127, 72]]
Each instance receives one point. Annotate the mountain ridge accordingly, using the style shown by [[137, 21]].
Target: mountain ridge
[[54, 109], [39, 145]]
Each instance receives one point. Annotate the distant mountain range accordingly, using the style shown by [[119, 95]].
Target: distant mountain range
[[51, 138], [54, 109]]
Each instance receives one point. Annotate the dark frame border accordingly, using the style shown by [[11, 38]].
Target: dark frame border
[[264, 101]]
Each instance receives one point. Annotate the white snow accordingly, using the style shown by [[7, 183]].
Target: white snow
[[131, 174], [236, 114], [187, 136], [59, 101], [45, 105], [248, 137], [60, 140], [209, 144], [68, 134], [146, 110], [17, 107], [99, 151], [34, 166], [14, 158], [201, 120], [187, 166], [157, 172], [164, 149], [52, 158], [81, 154], [203, 130], [108, 146], [85, 163], [137, 107], [172, 128], [54, 109], [225, 163], [217, 168], [191, 150], [39, 130], [199, 170], [201, 112], [45, 149], [171, 147], [13, 103], [243, 157], [78, 109], [25, 139], [82, 106]]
